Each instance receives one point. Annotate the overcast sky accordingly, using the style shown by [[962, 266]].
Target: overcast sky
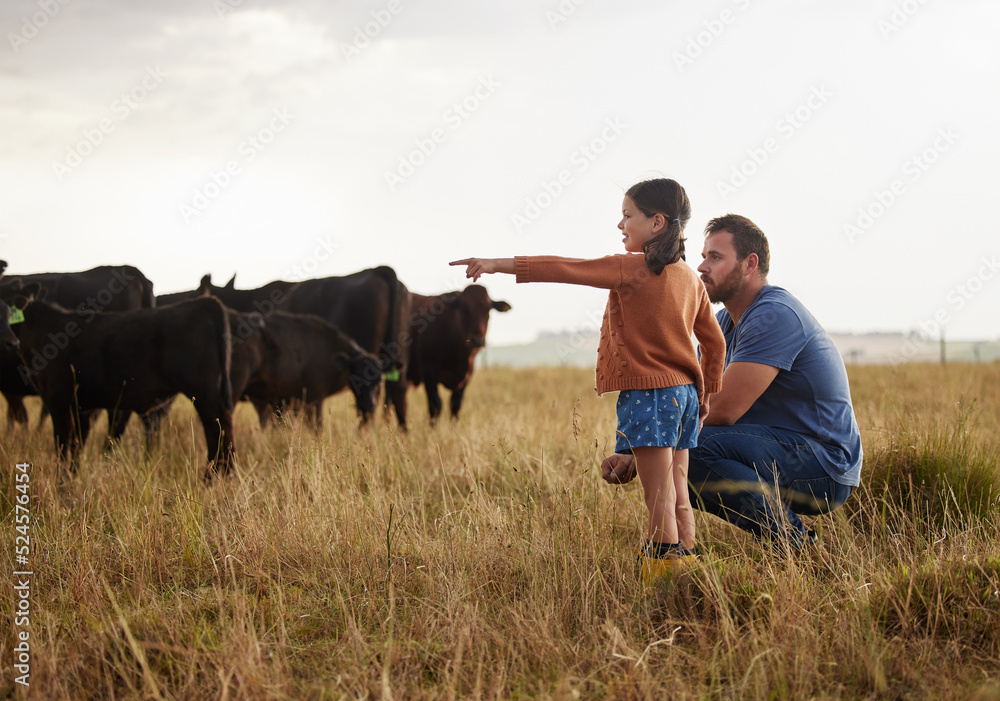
[[307, 138]]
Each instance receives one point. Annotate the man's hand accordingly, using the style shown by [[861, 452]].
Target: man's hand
[[618, 468]]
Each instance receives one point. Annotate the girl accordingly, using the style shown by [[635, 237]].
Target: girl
[[655, 303]]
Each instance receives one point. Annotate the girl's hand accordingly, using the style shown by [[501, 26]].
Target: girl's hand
[[475, 267]]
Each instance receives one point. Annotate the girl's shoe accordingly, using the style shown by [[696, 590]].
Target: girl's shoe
[[655, 568]]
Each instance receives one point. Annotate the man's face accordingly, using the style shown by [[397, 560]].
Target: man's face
[[720, 269]]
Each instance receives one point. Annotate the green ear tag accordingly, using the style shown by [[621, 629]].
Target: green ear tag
[[16, 315], [392, 375]]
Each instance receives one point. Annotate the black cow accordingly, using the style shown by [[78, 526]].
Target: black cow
[[303, 358], [105, 288], [263, 300], [370, 306], [7, 338], [14, 382], [283, 359], [8, 341], [130, 362], [447, 332]]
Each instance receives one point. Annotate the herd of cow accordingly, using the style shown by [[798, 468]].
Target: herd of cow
[[100, 340]]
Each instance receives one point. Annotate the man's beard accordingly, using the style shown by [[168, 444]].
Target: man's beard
[[729, 286]]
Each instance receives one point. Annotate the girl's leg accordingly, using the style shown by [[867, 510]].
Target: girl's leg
[[655, 468], [683, 513]]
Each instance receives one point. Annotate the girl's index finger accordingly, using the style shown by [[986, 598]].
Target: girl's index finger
[[464, 261]]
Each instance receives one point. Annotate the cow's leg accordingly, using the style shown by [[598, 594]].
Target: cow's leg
[[44, 414], [64, 434], [313, 413], [395, 393], [227, 441], [217, 423], [84, 423], [265, 411], [455, 404], [151, 422], [16, 413], [117, 421], [433, 398]]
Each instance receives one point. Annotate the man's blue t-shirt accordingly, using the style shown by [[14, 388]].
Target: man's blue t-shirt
[[810, 394]]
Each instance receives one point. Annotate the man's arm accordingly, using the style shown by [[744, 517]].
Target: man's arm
[[742, 384]]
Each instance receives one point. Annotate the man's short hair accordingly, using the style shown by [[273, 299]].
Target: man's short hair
[[747, 238]]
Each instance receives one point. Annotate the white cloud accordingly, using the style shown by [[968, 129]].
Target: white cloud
[[356, 115]]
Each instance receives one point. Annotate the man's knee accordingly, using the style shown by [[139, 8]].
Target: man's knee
[[711, 450]]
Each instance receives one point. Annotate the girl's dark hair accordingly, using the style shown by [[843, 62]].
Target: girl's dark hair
[[666, 197]]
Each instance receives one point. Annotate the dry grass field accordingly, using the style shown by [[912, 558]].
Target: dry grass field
[[486, 559]]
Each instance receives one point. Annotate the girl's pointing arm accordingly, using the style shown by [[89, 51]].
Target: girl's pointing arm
[[474, 267]]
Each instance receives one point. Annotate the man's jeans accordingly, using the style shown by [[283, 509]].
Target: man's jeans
[[736, 471]]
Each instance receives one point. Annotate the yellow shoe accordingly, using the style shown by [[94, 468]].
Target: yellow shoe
[[654, 568], [689, 560]]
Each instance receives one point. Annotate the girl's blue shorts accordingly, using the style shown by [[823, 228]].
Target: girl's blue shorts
[[666, 417]]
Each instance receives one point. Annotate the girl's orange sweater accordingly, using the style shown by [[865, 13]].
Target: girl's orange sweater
[[646, 331]]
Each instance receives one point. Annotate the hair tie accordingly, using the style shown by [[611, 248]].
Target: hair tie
[[676, 219]]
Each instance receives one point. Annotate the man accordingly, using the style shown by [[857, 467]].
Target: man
[[783, 422]]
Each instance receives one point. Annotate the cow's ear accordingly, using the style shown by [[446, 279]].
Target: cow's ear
[[501, 306], [33, 291], [29, 293]]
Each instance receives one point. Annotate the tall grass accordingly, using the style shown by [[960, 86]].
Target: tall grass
[[486, 559]]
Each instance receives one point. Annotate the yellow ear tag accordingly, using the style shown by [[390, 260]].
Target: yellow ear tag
[[16, 315], [392, 375]]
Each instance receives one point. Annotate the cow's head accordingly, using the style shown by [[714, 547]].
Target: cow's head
[[365, 378], [13, 300], [8, 340], [473, 306]]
